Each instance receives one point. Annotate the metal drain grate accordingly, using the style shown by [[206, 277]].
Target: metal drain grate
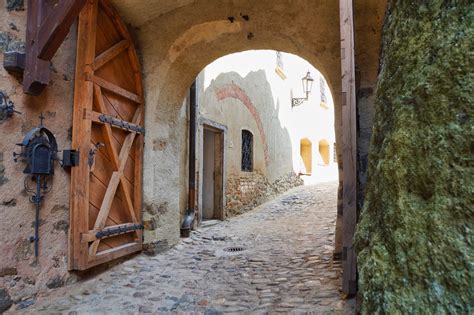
[[234, 249]]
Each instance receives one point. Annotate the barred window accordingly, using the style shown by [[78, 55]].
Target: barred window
[[322, 87], [247, 151], [279, 60]]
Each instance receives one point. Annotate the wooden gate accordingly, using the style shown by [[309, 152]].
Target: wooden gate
[[106, 187], [349, 146]]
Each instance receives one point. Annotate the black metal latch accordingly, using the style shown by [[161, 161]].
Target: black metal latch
[[70, 158]]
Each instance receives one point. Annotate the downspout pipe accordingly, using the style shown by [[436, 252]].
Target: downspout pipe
[[189, 218]]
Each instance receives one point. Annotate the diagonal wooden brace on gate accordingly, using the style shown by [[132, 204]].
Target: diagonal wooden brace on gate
[[47, 26], [117, 179]]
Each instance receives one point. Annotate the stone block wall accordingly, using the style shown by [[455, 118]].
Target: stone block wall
[[249, 190]]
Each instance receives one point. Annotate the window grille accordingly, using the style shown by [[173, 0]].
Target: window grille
[[322, 87], [247, 151], [279, 60]]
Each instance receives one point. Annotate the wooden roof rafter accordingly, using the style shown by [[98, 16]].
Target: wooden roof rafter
[[47, 26]]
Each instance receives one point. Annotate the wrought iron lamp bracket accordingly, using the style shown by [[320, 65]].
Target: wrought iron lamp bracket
[[297, 101], [307, 86]]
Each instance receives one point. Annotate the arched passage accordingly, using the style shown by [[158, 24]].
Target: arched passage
[[176, 44], [174, 59], [168, 114]]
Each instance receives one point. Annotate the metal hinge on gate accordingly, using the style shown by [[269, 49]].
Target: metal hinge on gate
[[121, 124], [118, 230]]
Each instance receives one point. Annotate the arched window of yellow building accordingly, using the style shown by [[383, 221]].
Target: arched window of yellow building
[[324, 151], [306, 152]]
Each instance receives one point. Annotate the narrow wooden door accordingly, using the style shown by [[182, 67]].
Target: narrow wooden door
[[105, 220]]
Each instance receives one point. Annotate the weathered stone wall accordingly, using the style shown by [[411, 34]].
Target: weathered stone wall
[[21, 277], [247, 191], [415, 237]]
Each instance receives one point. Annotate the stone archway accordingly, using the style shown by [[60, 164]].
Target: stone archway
[[173, 58], [178, 38]]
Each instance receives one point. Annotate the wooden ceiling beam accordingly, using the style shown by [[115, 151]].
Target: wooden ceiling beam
[[56, 25], [47, 27]]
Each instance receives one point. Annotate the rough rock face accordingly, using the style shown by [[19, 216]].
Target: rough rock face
[[415, 236]]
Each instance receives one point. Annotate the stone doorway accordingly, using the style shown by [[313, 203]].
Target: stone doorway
[[212, 170]]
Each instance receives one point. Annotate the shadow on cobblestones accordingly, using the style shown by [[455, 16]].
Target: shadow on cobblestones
[[285, 267]]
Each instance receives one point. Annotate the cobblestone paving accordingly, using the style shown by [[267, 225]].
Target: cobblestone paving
[[286, 267]]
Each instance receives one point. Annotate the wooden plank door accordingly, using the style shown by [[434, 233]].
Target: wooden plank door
[[106, 187]]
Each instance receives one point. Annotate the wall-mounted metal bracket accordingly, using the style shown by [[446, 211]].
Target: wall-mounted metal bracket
[[297, 101]]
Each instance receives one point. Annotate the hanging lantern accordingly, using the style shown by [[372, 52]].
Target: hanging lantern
[[307, 81], [307, 84]]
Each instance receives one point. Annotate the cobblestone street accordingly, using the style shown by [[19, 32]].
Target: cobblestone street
[[285, 267]]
